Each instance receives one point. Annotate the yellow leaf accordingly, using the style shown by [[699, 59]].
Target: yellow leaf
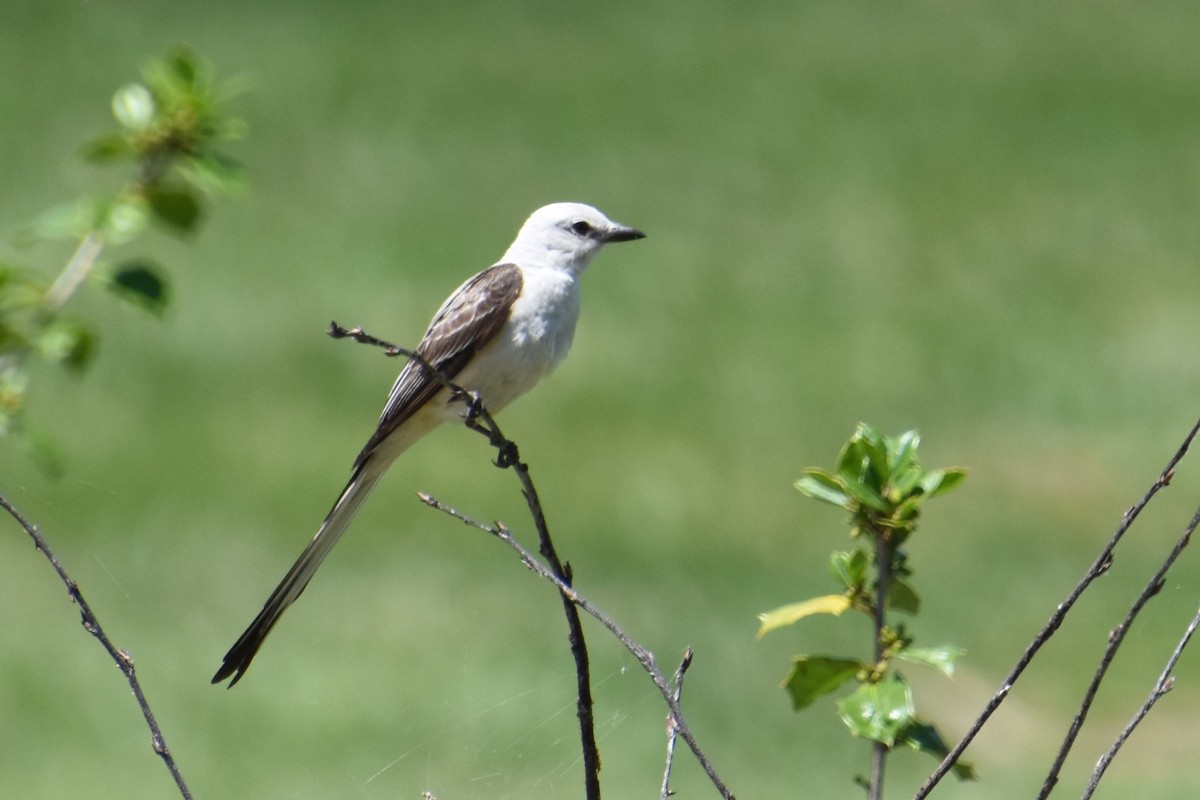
[[786, 615]]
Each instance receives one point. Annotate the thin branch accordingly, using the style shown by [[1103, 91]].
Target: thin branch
[[92, 625], [672, 728], [362, 337], [1115, 638], [1164, 684], [507, 456], [1099, 567], [643, 656]]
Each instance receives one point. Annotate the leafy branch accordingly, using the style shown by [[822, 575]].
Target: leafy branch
[[169, 127], [879, 480]]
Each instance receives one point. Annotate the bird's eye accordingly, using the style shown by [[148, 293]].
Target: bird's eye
[[581, 228]]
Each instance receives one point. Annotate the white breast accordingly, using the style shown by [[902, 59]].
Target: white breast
[[535, 339]]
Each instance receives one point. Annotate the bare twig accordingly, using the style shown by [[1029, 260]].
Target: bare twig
[[1098, 567], [507, 456], [92, 625], [1164, 684], [643, 656], [1115, 638], [672, 728], [362, 337]]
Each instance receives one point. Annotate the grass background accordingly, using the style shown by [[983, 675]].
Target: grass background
[[975, 219]]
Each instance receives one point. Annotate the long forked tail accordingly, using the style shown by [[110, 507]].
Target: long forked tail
[[238, 659]]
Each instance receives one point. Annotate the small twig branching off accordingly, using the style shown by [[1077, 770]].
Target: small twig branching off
[[672, 728], [1115, 638], [477, 418], [92, 625], [1098, 567], [1164, 684], [643, 656]]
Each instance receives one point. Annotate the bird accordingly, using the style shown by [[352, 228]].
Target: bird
[[497, 335]]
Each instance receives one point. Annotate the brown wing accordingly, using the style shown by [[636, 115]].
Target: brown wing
[[467, 321]]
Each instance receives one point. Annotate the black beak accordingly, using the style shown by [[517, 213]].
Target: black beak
[[623, 234]]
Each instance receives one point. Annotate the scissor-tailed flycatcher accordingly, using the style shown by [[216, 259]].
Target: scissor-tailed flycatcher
[[498, 334]]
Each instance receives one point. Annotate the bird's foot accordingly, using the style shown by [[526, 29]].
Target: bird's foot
[[506, 454]]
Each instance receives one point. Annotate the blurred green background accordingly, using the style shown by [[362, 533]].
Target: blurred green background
[[975, 219]]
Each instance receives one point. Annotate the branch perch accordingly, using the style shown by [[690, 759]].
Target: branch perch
[[477, 418]]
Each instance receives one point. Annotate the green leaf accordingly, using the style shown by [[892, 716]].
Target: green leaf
[[868, 433], [941, 658], [820, 485], [864, 494], [214, 173], [107, 149], [178, 209], [182, 64], [783, 616], [925, 738], [878, 711], [851, 460], [848, 568], [862, 468], [66, 342], [133, 107], [940, 481], [141, 284], [814, 676], [875, 450], [864, 458], [902, 597], [902, 451], [172, 79], [905, 480], [908, 510]]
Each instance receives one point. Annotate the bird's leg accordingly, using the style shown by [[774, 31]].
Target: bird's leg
[[506, 451], [506, 454]]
